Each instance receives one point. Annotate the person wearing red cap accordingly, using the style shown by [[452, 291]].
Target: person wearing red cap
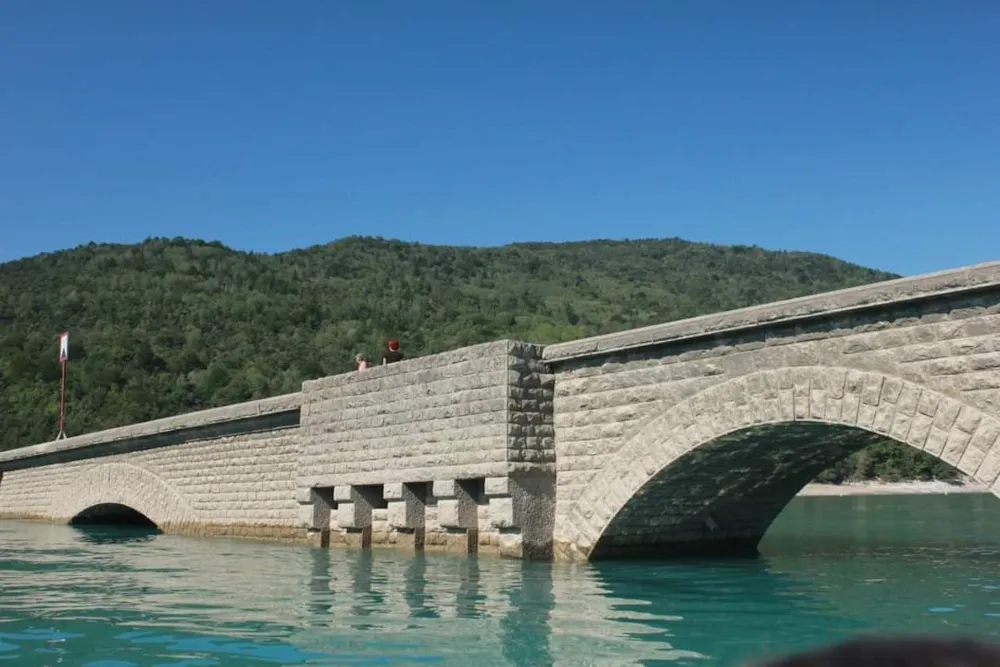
[[392, 353]]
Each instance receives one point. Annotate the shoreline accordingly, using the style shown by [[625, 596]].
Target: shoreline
[[874, 488]]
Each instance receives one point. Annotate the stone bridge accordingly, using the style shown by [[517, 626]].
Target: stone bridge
[[682, 438]]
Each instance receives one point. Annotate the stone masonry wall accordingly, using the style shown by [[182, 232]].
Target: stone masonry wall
[[949, 344], [241, 484], [461, 414]]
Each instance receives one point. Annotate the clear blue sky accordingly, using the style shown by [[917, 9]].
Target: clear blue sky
[[866, 130]]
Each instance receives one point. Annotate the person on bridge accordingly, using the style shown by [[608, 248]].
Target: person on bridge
[[360, 362], [392, 353]]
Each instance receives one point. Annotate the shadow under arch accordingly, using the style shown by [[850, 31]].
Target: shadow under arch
[[115, 514], [708, 476], [112, 523]]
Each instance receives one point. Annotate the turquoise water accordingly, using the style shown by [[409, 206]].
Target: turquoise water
[[831, 567]]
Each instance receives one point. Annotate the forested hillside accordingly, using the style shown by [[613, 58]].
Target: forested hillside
[[169, 326]]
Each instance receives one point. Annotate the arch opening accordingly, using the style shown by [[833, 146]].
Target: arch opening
[[113, 514], [719, 499]]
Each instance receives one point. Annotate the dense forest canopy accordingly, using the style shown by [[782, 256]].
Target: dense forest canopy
[[174, 325]]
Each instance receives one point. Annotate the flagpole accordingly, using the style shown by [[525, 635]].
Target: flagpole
[[63, 361], [62, 402]]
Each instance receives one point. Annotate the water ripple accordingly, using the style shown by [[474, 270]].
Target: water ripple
[[92, 599]]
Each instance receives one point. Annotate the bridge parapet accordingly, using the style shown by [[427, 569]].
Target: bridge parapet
[[223, 471], [267, 414], [880, 297]]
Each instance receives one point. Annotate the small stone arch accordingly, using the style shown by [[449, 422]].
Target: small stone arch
[[700, 444], [127, 485]]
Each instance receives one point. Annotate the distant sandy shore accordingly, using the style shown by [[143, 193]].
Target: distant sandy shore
[[891, 488]]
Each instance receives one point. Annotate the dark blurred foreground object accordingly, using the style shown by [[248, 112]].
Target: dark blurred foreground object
[[896, 652]]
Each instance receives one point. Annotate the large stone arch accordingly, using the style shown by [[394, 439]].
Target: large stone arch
[[128, 485], [713, 471]]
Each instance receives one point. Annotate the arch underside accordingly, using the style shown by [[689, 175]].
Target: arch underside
[[112, 514], [721, 498]]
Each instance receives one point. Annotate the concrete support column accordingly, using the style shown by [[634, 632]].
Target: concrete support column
[[406, 513], [457, 513]]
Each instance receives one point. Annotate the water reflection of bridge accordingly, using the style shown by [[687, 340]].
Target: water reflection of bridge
[[485, 611], [356, 602]]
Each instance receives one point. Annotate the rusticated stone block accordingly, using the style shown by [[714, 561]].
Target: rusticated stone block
[[309, 518], [406, 505], [501, 512], [316, 513], [456, 504], [353, 515], [447, 488], [496, 486], [393, 491], [355, 506], [344, 493], [453, 513]]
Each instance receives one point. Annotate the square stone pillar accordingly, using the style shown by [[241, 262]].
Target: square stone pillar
[[406, 505], [457, 514], [354, 515], [315, 511], [352, 509], [406, 513], [456, 505]]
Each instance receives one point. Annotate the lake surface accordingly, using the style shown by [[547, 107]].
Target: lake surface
[[831, 567]]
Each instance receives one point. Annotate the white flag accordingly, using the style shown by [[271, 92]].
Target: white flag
[[63, 347]]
